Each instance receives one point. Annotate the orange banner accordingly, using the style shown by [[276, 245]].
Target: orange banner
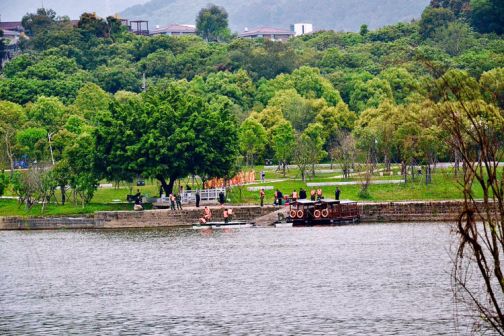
[[241, 178]]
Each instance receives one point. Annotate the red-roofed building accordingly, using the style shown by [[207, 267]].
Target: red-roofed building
[[174, 30], [273, 34]]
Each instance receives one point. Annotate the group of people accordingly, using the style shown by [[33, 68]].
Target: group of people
[[315, 195], [175, 201], [207, 215]]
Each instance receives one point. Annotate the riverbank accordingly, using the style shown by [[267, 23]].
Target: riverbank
[[436, 211], [445, 186]]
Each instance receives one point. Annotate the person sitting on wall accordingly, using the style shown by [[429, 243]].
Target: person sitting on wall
[[226, 216], [138, 202], [138, 196], [207, 214]]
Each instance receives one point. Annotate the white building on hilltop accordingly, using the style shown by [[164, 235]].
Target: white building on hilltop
[[302, 28]]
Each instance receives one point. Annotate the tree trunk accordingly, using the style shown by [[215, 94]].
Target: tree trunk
[[167, 187], [63, 194], [10, 155]]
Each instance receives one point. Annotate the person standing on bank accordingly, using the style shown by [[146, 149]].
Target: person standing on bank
[[178, 198], [261, 196], [172, 202], [198, 198], [302, 194], [279, 197], [294, 195], [222, 198], [337, 194]]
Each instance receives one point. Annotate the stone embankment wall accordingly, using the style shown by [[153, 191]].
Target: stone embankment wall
[[435, 211], [411, 211], [370, 212], [131, 219]]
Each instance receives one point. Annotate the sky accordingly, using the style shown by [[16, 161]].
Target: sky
[[13, 10]]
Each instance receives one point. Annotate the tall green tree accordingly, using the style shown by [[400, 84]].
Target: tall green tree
[[42, 19], [283, 144], [12, 119], [167, 135], [434, 18], [212, 23], [252, 138]]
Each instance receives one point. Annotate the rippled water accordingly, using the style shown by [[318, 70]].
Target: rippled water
[[384, 279]]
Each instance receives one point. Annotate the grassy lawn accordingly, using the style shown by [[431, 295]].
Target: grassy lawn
[[12, 208], [444, 187]]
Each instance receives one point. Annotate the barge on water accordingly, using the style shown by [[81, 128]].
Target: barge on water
[[323, 212]]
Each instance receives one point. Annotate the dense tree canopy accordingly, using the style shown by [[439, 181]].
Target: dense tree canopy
[[206, 102]]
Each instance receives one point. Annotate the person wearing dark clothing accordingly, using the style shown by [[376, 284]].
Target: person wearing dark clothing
[[302, 194], [137, 197], [221, 198], [198, 198], [261, 196], [280, 197], [337, 194], [178, 199]]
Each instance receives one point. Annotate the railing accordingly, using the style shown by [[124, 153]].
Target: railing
[[190, 196]]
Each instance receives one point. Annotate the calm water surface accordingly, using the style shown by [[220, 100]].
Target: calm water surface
[[383, 279]]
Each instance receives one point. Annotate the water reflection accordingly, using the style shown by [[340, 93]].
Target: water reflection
[[387, 279]]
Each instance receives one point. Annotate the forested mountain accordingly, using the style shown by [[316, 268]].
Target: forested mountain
[[14, 10], [324, 14]]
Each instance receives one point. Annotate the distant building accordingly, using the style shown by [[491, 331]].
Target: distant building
[[302, 28], [11, 25], [273, 34], [139, 27], [11, 35], [174, 30]]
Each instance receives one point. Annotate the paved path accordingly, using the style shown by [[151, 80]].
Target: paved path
[[326, 184]]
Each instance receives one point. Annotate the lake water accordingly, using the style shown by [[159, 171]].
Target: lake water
[[382, 279]]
